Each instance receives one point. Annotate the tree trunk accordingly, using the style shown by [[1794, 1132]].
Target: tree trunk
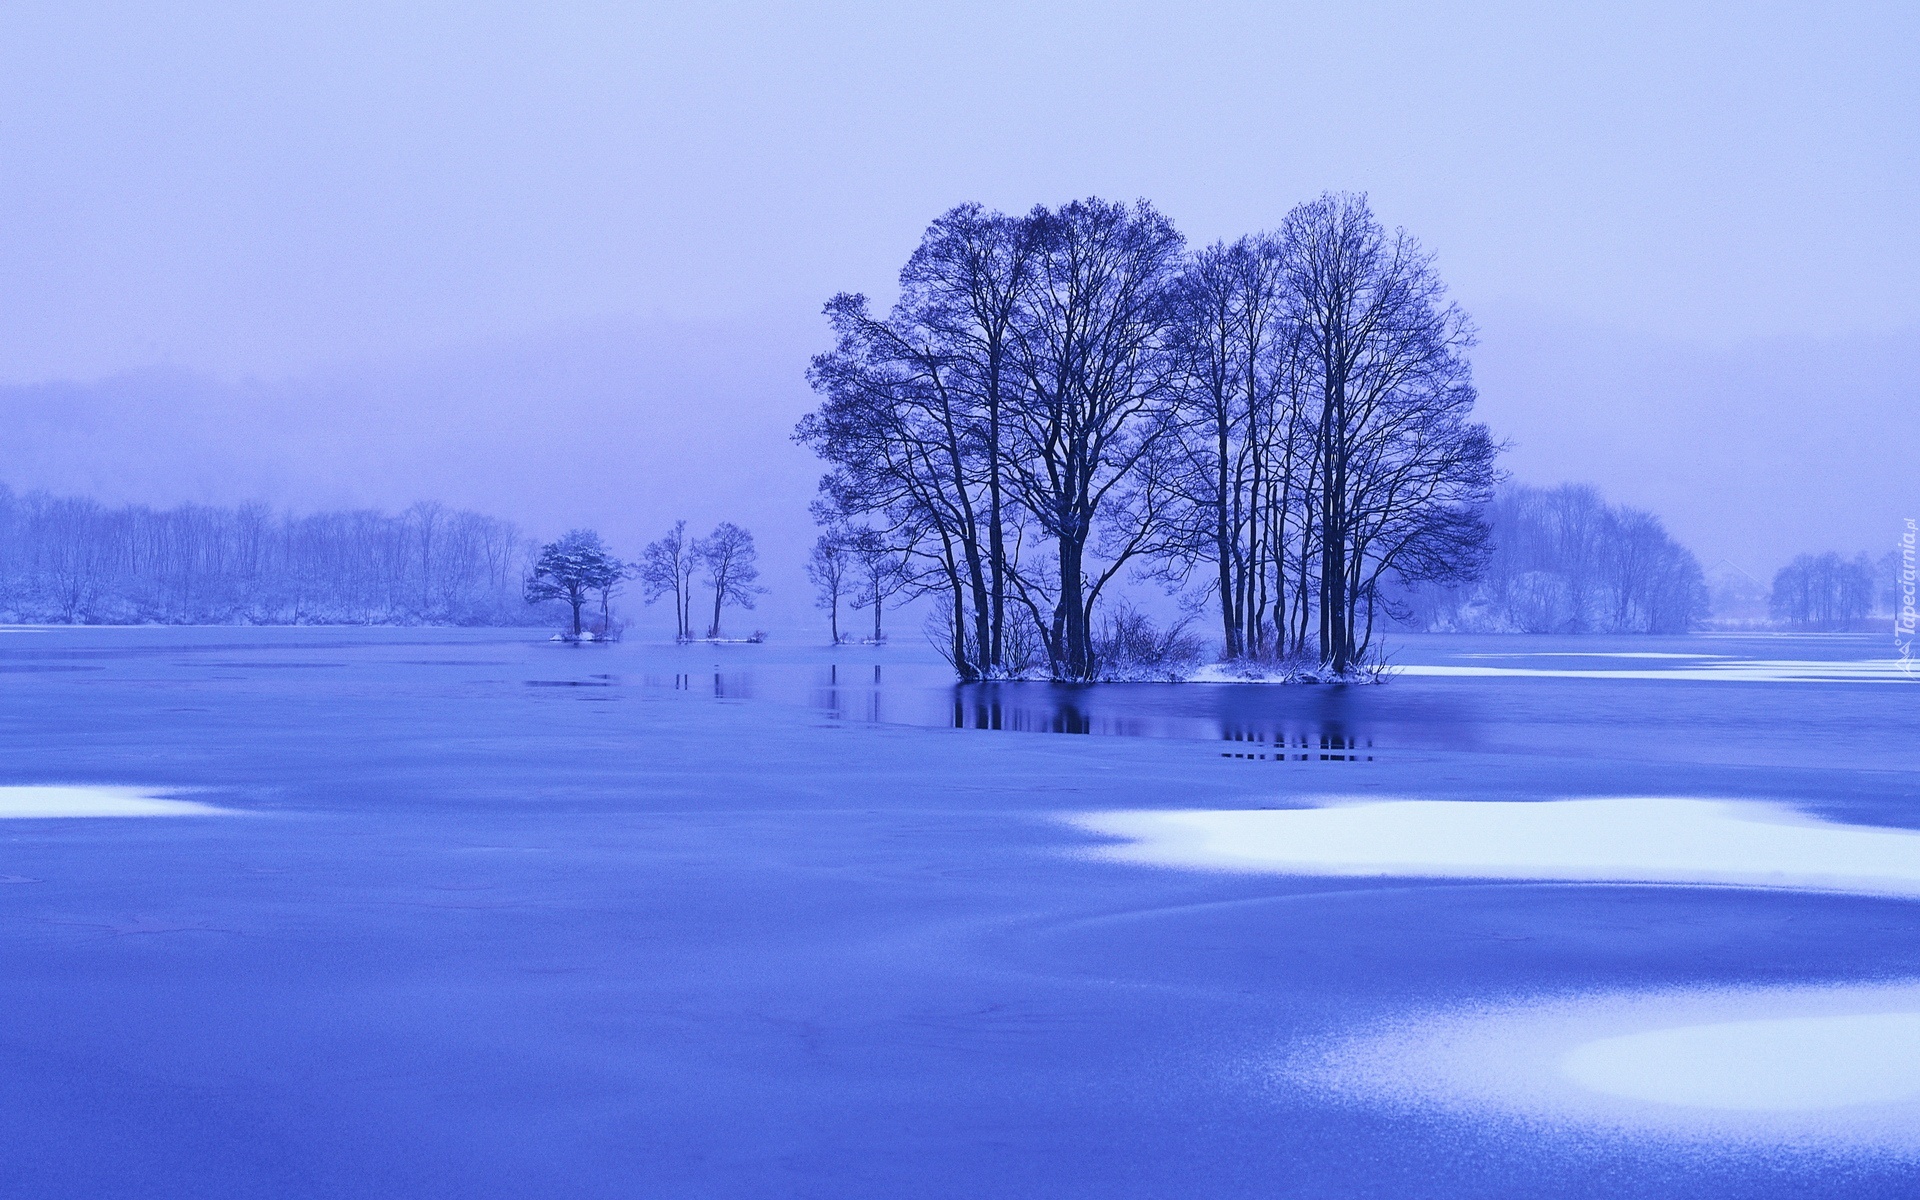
[[1224, 537], [1070, 616], [993, 650]]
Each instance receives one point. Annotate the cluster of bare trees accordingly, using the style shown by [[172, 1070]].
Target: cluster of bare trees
[[1563, 560], [728, 559], [68, 559], [1825, 592], [858, 568], [1280, 423]]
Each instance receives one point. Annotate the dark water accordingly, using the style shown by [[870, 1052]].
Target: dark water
[[1662, 715], [1263, 722]]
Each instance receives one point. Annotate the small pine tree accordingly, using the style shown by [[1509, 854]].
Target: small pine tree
[[573, 569]]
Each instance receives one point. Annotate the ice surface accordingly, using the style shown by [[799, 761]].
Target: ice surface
[[45, 801], [1655, 839], [758, 921]]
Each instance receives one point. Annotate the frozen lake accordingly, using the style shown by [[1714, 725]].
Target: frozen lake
[[419, 912]]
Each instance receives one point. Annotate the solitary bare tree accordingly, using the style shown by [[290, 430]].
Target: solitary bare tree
[[730, 559], [830, 569], [883, 574], [666, 569]]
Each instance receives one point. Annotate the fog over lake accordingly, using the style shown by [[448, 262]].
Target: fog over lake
[[567, 266]]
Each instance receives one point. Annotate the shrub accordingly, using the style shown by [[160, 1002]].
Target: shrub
[[1128, 647]]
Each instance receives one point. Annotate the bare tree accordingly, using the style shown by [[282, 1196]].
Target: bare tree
[[1059, 398], [1091, 345], [427, 517], [1399, 468], [730, 558], [1241, 481], [76, 560], [1565, 561], [915, 417], [830, 570], [883, 574], [965, 285], [666, 569]]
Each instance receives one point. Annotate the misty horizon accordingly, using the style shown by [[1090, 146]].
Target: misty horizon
[[498, 426]]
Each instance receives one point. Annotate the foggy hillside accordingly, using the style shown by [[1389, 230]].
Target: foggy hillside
[[618, 427], [1753, 452]]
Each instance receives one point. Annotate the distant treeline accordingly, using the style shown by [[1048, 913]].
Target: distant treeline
[[1563, 560], [74, 560], [1828, 592]]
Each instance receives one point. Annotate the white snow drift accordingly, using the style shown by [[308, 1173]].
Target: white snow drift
[[98, 802], [1723, 670], [1778, 1064], [1833, 1068], [1615, 840]]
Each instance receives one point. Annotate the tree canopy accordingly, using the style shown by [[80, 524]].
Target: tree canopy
[[573, 569], [1282, 423]]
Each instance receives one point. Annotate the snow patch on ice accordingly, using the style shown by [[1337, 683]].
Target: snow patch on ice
[[1877, 670], [1779, 1064], [1715, 667], [1815, 1067], [1656, 839], [1601, 654], [1832, 1067], [58, 801], [1248, 672]]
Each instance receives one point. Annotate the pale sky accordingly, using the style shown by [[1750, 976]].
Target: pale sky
[[259, 187], [265, 192]]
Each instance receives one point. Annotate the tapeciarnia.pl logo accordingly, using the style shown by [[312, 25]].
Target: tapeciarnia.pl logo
[[1904, 618]]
